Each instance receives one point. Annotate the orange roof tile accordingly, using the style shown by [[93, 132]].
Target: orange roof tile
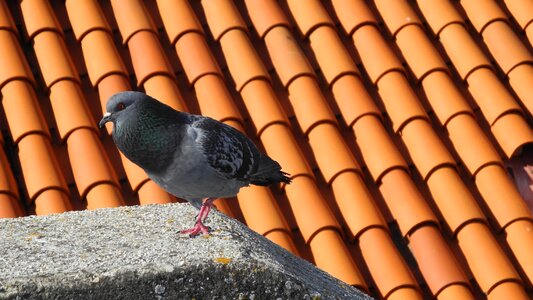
[[397, 121]]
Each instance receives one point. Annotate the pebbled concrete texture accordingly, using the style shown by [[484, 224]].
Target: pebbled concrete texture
[[137, 253]]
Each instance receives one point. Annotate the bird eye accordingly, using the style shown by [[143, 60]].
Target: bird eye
[[121, 106]]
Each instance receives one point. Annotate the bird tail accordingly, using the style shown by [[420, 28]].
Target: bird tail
[[269, 172]]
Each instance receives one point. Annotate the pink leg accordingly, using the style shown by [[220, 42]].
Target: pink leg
[[202, 215]]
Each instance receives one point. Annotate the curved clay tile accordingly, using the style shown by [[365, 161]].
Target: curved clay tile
[[521, 11], [195, 57], [419, 52], [12, 59], [41, 173], [325, 139], [222, 17], [376, 53], [485, 87], [110, 85], [471, 144], [52, 201], [521, 80], [132, 17], [309, 104], [263, 107], [39, 16], [178, 18], [494, 185], [10, 206], [215, 100], [400, 100], [86, 16], [464, 53], [405, 202], [508, 290], [6, 21], [353, 100], [70, 108], [511, 133], [309, 15], [453, 199], [54, 59], [490, 266], [482, 12], [331, 255], [357, 207], [432, 253], [101, 56], [286, 55], [439, 14], [444, 97], [397, 15], [382, 257], [243, 61], [164, 88], [147, 56], [425, 148], [520, 239], [456, 292], [266, 15], [22, 110], [505, 46], [90, 165], [353, 14], [332, 57]]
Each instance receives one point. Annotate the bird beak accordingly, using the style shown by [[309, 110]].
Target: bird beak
[[105, 119]]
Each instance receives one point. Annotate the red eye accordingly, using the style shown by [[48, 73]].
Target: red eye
[[121, 106]]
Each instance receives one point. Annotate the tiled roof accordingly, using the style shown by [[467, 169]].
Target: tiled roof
[[406, 125]]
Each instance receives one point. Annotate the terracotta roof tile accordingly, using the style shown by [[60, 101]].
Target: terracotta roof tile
[[504, 45], [490, 266], [381, 256], [353, 14], [388, 130], [195, 57], [10, 206], [179, 19], [375, 53], [309, 15], [39, 16], [521, 78], [508, 290], [418, 51], [433, 253], [521, 13], [397, 15], [13, 60], [481, 13], [86, 16], [101, 56], [132, 18]]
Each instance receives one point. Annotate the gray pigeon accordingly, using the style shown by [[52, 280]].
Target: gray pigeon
[[193, 157]]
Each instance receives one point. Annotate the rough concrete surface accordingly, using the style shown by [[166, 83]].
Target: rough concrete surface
[[137, 253]]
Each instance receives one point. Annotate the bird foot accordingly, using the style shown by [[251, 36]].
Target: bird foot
[[195, 231]]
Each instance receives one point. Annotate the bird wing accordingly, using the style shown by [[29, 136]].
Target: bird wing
[[227, 150]]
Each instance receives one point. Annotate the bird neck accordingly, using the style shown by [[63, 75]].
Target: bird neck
[[148, 140]]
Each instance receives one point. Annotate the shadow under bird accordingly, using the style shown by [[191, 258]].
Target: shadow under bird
[[192, 157]]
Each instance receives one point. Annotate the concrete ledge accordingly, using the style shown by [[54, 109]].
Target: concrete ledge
[[136, 253]]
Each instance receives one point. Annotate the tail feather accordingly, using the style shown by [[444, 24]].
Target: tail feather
[[269, 172]]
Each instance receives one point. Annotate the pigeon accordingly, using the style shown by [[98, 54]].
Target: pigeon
[[192, 157]]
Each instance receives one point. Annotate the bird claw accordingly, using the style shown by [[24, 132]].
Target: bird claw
[[196, 230]]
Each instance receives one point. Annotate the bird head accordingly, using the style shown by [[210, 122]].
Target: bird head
[[118, 104]]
